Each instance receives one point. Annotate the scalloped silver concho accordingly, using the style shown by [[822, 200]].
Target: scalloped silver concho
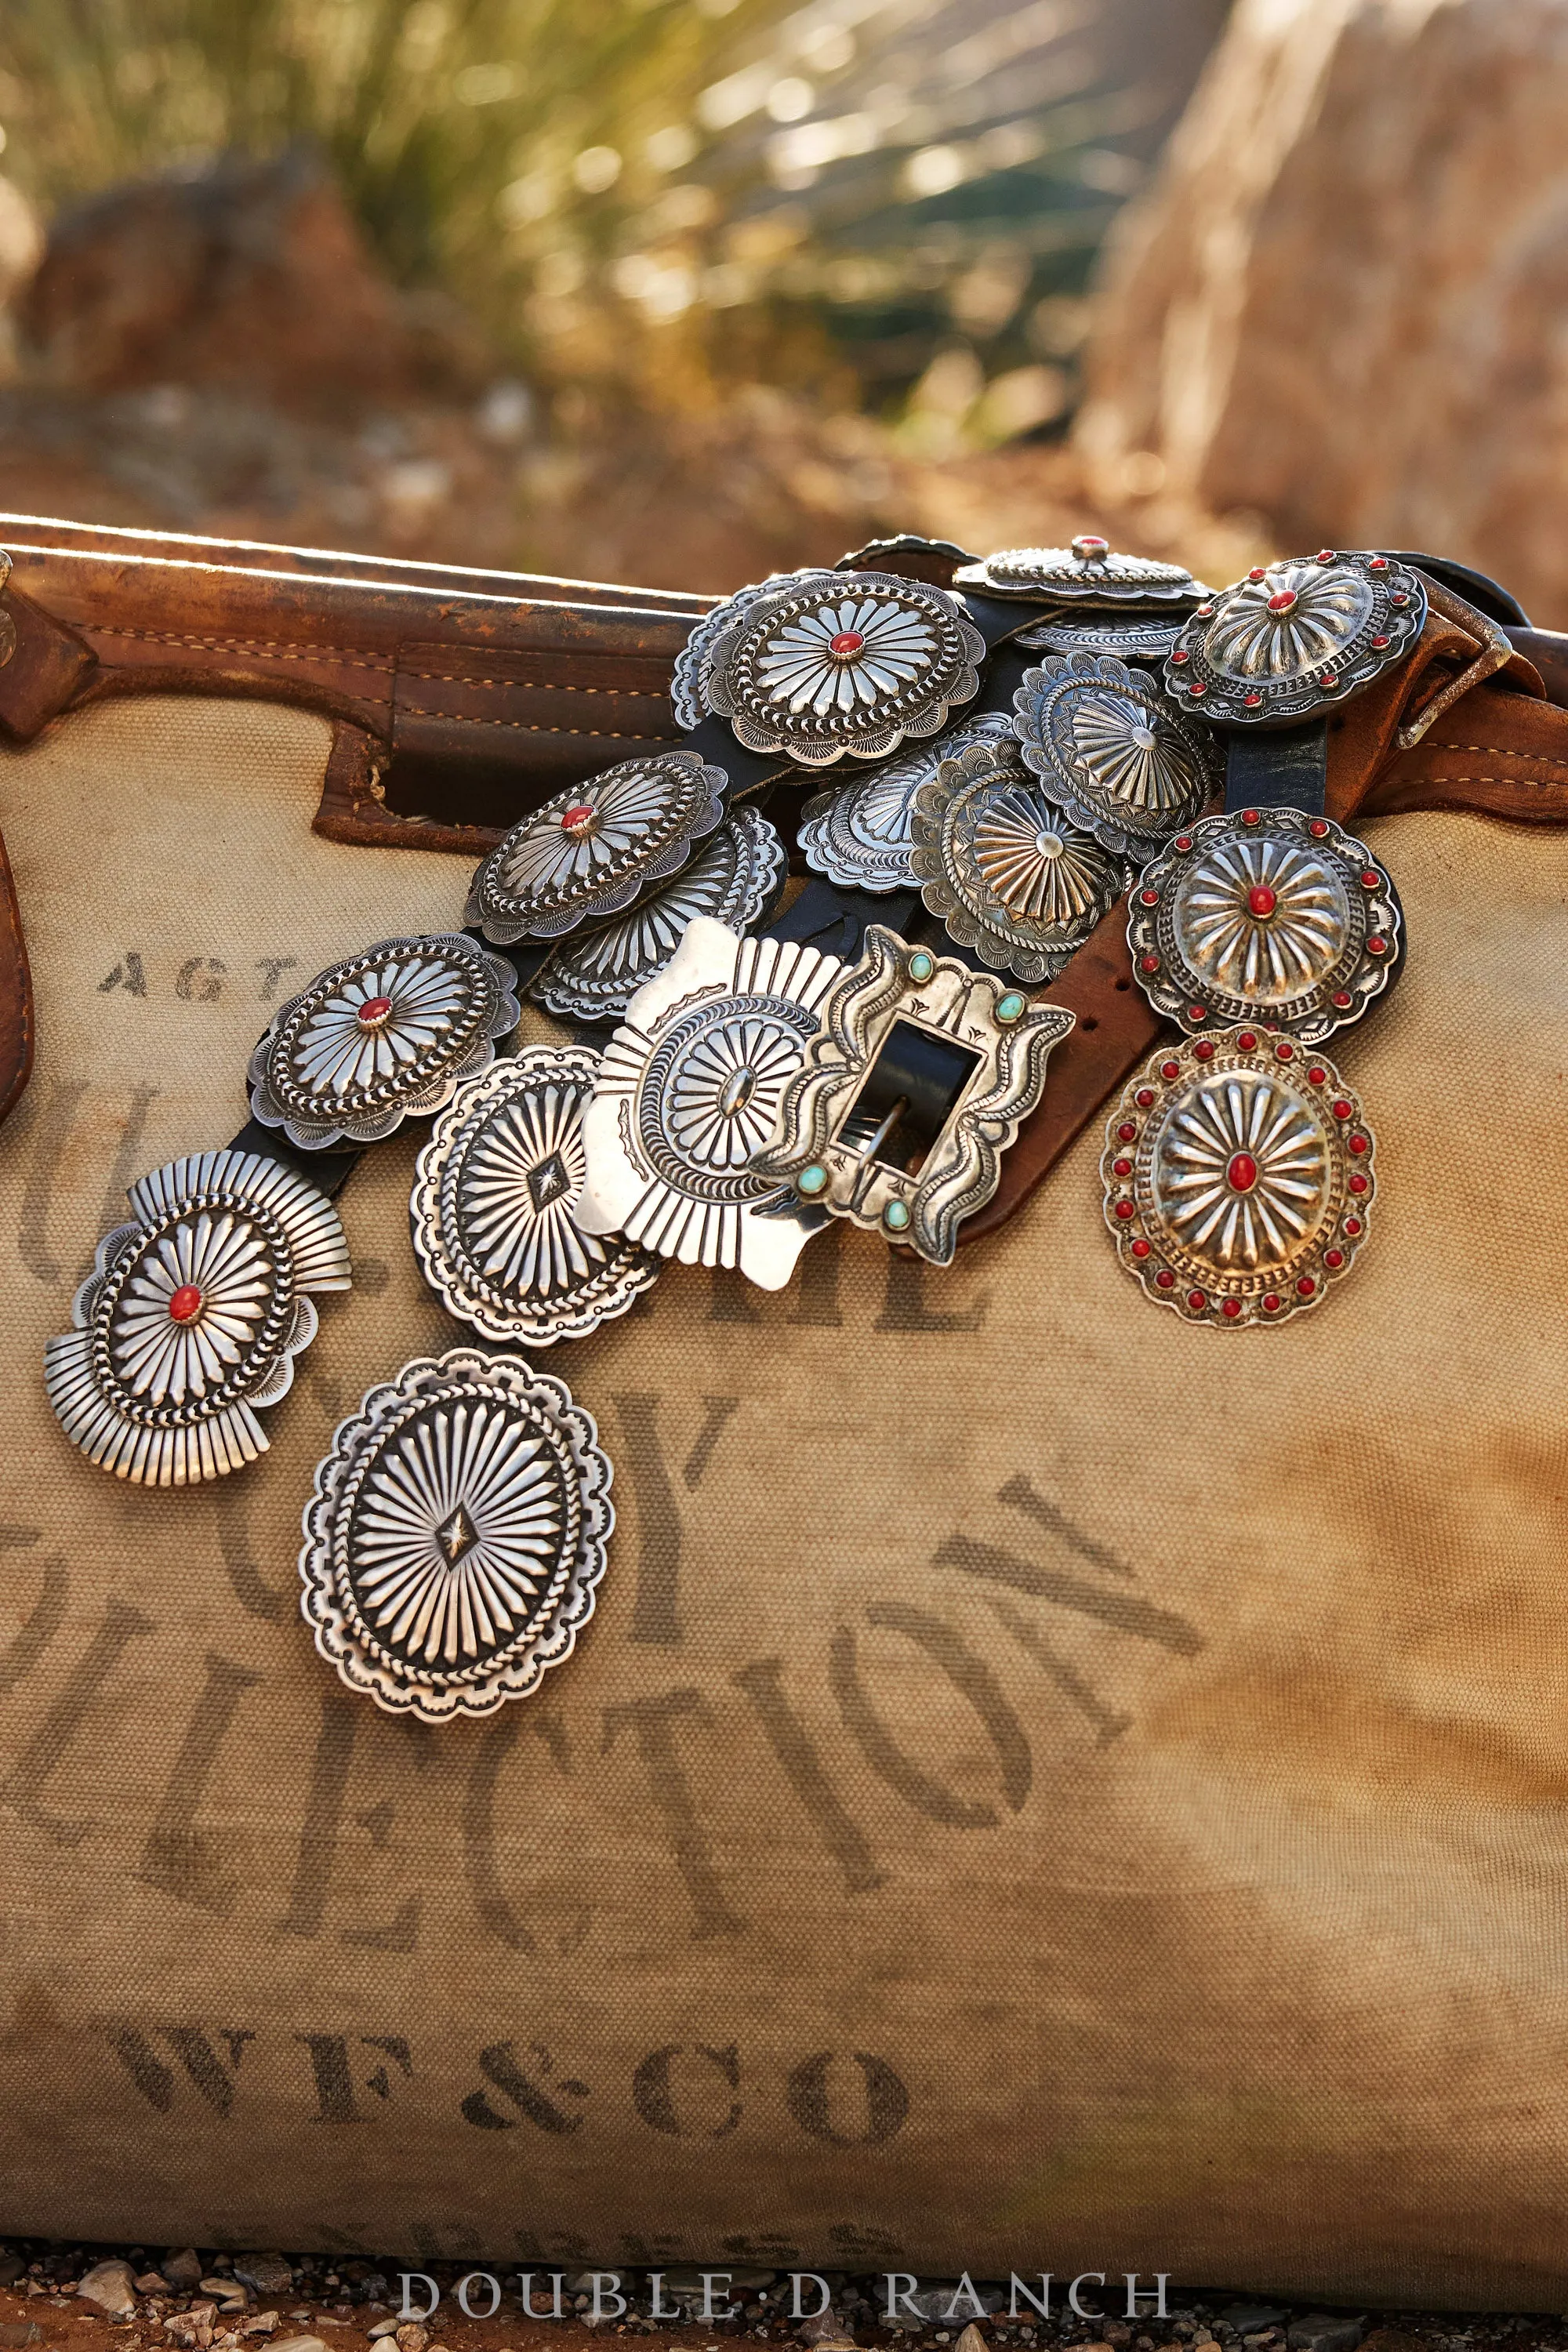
[[192, 1317], [1001, 867], [821, 666], [594, 848], [492, 1207], [1110, 750], [1295, 637], [858, 834], [1088, 571], [455, 1536], [384, 1035], [733, 878]]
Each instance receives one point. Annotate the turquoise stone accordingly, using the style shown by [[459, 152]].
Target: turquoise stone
[[1010, 1007], [921, 966], [812, 1181], [894, 1216]]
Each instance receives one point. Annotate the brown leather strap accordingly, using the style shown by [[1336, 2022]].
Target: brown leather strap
[[15, 994]]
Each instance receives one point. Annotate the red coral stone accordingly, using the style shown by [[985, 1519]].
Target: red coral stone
[[186, 1304], [374, 1011], [1169, 1069], [1249, 817], [579, 818], [1327, 678], [1352, 1226], [1248, 1040], [1360, 1145], [1165, 1278], [1318, 828], [1181, 655], [1258, 573], [1334, 1258], [1197, 1301], [1342, 1000], [1271, 1304], [1316, 1075], [1325, 554], [1305, 1287], [1242, 1173], [1378, 644], [1284, 1051], [1124, 1210], [1087, 543], [1378, 563], [1183, 841], [1231, 1309], [1343, 1110], [1377, 946], [1126, 1131], [848, 641], [1198, 1012], [1121, 1167], [1203, 1050], [1143, 1098], [1149, 963], [1140, 1248], [1147, 898], [1251, 701], [1261, 900], [1282, 601], [1370, 879], [1197, 686], [1359, 1182]]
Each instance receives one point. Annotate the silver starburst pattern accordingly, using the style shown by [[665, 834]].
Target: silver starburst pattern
[[492, 1211], [859, 834], [1266, 915], [823, 664], [455, 1536], [1238, 1178], [1138, 637], [192, 1317], [1003, 868], [734, 878], [1088, 571], [381, 1037], [1111, 752], [1296, 636]]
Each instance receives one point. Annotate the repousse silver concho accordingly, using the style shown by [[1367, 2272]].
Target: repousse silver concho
[[382, 1036], [688, 1092], [1137, 636], [821, 666], [596, 847], [1110, 751], [858, 834], [734, 877], [1266, 915], [495, 1188], [819, 1142], [1295, 637], [1088, 571], [1003, 868], [1238, 1178], [455, 1536], [190, 1321]]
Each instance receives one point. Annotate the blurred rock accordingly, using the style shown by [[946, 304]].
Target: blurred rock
[[1340, 305], [110, 2286]]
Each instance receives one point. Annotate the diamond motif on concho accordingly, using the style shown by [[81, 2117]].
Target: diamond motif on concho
[[858, 834], [492, 1208], [1238, 1178], [1136, 638], [382, 1036], [689, 1090], [1003, 868], [734, 878], [455, 1536], [822, 665], [1110, 750], [1296, 636], [1267, 915], [1089, 570], [191, 1318], [596, 847]]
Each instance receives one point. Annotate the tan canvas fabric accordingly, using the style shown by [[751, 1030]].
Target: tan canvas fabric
[[1045, 1786]]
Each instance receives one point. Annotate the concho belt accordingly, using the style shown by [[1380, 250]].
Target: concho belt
[[999, 766]]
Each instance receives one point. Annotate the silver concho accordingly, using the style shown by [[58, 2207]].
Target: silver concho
[[858, 834], [1238, 1178], [1003, 868], [1295, 637], [190, 1321], [455, 1536], [494, 1192], [734, 878], [823, 664], [1136, 638], [596, 847], [384, 1035], [826, 1137], [688, 1091], [1088, 571], [1110, 751], [1267, 915]]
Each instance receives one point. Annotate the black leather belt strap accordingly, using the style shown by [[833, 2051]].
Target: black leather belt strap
[[1278, 767]]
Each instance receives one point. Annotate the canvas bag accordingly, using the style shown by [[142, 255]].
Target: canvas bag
[[1045, 1787]]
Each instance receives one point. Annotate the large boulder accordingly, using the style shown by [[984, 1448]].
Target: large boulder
[[1343, 303]]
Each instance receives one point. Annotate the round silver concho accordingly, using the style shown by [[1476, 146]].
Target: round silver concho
[[492, 1210], [734, 878], [1266, 915], [1110, 750], [596, 848], [858, 834], [821, 666], [190, 1321], [1238, 1178], [1005, 871], [1295, 637], [455, 1536], [383, 1036], [1088, 572]]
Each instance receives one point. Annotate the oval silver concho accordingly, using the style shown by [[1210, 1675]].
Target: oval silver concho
[[824, 666], [1137, 638], [734, 878], [1110, 750], [382, 1036], [1088, 572], [190, 1321], [1268, 914], [1238, 1178], [860, 835], [455, 1536], [494, 1192], [1008, 876], [1295, 637], [596, 847]]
